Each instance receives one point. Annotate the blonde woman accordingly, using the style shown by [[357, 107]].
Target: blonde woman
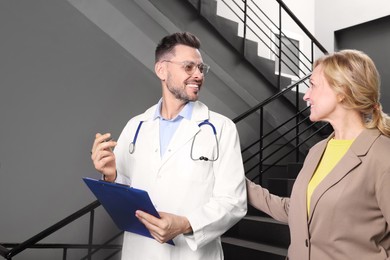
[[340, 204]]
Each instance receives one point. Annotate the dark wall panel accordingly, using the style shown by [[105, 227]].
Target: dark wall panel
[[374, 39]]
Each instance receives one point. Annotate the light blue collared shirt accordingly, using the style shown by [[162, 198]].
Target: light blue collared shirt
[[169, 127]]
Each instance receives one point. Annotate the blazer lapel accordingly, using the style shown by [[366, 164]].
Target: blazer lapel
[[307, 173], [347, 163], [342, 168]]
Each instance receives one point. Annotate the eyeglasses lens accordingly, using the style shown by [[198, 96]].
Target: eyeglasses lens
[[191, 67]]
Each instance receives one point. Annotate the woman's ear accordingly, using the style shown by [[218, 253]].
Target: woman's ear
[[340, 98], [160, 70]]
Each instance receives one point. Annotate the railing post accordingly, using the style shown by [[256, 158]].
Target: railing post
[[64, 253], [90, 240], [312, 54], [297, 123], [280, 48], [245, 25], [261, 145]]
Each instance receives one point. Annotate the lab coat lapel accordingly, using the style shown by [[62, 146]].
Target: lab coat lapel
[[183, 135], [149, 136], [186, 130]]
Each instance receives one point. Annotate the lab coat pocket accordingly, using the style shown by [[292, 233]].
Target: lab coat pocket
[[194, 170]]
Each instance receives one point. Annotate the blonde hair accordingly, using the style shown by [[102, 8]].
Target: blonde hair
[[353, 75]]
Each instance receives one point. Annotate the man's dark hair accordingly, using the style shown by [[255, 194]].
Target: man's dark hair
[[167, 43]]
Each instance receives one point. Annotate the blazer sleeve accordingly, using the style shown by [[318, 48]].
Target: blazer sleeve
[[383, 195], [260, 198]]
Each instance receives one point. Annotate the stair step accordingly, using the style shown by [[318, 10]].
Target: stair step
[[252, 211], [230, 32], [293, 169], [235, 248], [281, 186], [264, 219], [262, 229]]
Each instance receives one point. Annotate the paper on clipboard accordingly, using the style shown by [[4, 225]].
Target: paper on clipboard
[[121, 201]]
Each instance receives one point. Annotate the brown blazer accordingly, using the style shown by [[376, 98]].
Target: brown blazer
[[350, 209]]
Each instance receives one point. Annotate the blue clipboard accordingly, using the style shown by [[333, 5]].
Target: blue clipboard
[[121, 201]]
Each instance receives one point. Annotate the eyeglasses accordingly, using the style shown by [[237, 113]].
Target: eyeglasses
[[190, 66]]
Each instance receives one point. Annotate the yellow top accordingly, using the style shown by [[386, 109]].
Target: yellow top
[[334, 151]]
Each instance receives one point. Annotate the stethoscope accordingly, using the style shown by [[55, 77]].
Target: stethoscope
[[201, 158]]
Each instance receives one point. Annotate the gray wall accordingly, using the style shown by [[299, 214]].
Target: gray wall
[[62, 79]]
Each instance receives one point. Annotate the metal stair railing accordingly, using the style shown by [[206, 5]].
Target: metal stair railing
[[266, 152], [257, 25], [32, 242]]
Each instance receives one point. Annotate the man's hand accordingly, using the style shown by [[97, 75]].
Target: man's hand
[[165, 228], [102, 156]]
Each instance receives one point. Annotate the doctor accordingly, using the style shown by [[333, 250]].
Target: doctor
[[187, 157]]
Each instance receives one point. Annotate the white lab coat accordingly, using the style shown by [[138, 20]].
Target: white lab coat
[[212, 195]]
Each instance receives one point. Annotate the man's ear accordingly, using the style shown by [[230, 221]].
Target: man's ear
[[160, 70]]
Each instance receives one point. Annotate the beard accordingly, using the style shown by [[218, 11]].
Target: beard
[[179, 92]]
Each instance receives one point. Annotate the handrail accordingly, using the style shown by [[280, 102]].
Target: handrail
[[68, 246], [296, 147], [270, 99], [273, 42], [282, 135], [292, 59], [260, 152], [3, 250], [303, 28]]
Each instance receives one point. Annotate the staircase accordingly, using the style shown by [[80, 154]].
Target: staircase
[[248, 48], [256, 236]]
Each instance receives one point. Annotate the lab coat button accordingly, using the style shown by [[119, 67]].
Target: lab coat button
[[307, 243]]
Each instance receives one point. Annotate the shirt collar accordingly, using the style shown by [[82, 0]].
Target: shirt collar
[[186, 112]]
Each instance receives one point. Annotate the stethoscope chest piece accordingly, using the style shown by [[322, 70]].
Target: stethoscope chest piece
[[131, 148], [132, 144], [204, 158]]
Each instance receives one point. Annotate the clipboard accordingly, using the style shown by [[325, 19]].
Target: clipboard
[[121, 201]]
